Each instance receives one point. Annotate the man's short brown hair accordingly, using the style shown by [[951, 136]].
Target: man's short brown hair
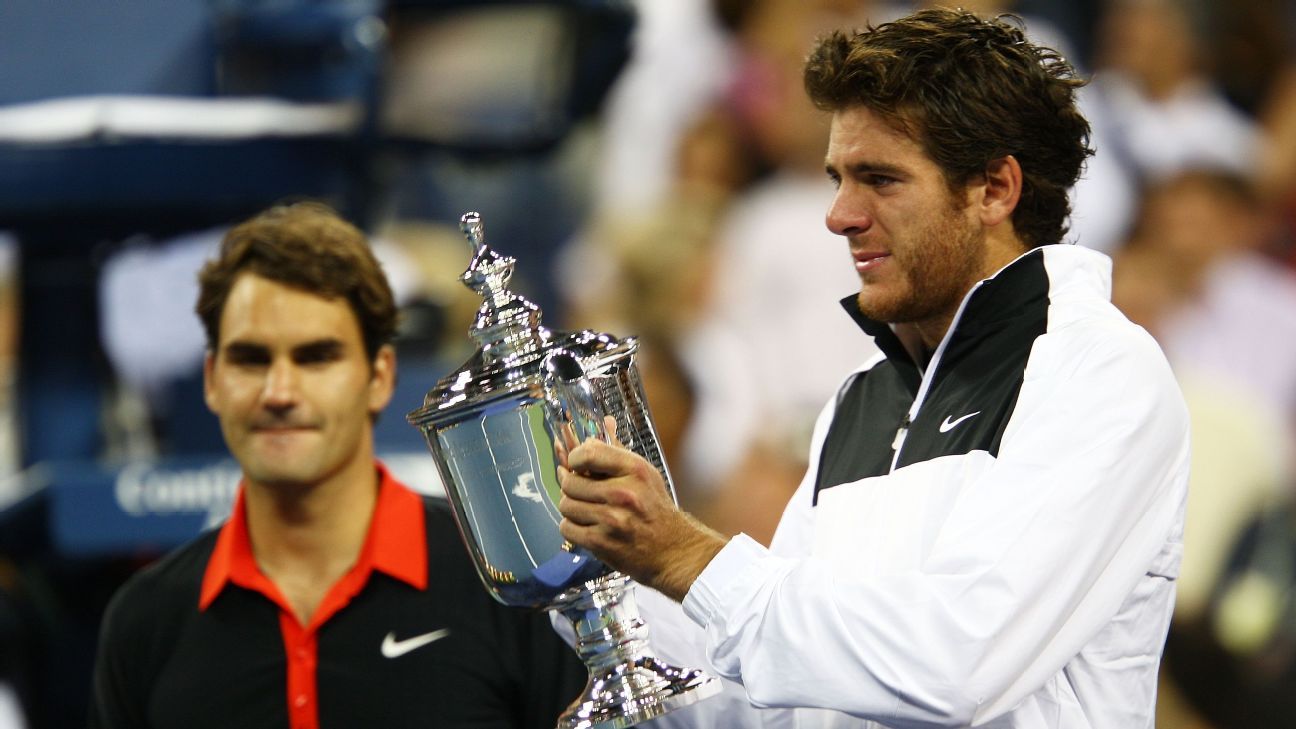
[[307, 246], [969, 90]]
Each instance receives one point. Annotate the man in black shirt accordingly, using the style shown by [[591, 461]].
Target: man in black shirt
[[334, 596]]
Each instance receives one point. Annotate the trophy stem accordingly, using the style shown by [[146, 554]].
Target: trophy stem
[[628, 684]]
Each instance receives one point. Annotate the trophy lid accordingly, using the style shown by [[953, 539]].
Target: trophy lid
[[511, 341]]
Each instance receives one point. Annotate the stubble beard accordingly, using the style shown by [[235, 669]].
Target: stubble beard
[[940, 265]]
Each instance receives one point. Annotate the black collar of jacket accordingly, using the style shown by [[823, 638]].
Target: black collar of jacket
[[999, 300]]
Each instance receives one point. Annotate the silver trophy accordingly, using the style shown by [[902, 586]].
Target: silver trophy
[[495, 428]]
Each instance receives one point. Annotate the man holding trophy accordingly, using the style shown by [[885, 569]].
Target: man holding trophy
[[990, 528]]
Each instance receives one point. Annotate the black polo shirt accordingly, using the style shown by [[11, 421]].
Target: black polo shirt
[[407, 638]]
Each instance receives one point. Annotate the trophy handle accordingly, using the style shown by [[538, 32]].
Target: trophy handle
[[572, 410]]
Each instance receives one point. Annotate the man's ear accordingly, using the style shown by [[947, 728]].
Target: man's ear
[[1001, 191], [382, 382], [209, 392]]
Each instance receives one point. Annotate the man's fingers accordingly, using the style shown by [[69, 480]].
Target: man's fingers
[[577, 533], [578, 511], [596, 458], [560, 451], [610, 427], [600, 526], [569, 439], [579, 487]]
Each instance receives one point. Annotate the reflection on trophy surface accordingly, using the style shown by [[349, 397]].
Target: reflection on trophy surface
[[495, 428]]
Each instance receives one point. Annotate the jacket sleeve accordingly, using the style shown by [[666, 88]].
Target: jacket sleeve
[[682, 643], [1033, 557]]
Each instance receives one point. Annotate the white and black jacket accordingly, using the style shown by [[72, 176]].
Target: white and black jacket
[[990, 542]]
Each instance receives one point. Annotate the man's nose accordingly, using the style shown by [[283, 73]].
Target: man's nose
[[280, 385], [847, 215]]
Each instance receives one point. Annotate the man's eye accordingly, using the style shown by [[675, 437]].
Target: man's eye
[[247, 357], [879, 180], [317, 355]]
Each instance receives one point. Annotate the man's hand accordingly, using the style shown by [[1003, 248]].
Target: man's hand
[[616, 505]]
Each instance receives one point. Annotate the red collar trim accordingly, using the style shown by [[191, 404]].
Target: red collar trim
[[396, 545], [398, 535]]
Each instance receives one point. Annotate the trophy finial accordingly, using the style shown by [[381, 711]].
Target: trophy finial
[[507, 324], [473, 230], [488, 272]]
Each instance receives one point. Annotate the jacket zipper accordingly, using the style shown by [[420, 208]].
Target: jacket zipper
[[898, 443]]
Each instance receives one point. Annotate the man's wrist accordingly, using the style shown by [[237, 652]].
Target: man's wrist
[[688, 558]]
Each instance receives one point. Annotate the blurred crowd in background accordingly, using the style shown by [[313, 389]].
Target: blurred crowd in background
[[685, 206]]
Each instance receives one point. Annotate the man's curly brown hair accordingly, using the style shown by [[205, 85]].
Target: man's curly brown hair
[[968, 90]]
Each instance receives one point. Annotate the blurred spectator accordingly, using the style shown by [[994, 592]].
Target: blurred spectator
[[1237, 322], [1252, 625], [1232, 665], [1168, 112], [1240, 442], [680, 60], [1155, 110], [652, 276], [1249, 47], [1226, 318], [1277, 171]]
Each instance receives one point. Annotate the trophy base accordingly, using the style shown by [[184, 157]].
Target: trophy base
[[627, 694], [628, 684]]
